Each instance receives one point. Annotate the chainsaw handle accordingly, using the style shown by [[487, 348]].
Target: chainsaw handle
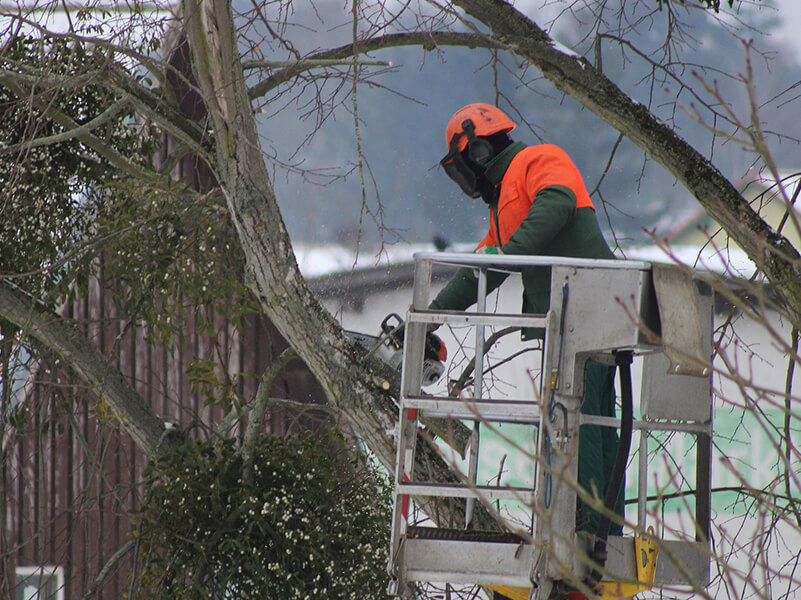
[[385, 326]]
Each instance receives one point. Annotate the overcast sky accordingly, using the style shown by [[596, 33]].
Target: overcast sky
[[788, 13], [791, 19]]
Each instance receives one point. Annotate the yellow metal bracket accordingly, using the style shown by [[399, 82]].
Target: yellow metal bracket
[[646, 554], [514, 593]]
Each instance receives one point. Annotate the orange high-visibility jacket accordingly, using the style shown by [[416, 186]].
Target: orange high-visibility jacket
[[532, 170], [543, 209]]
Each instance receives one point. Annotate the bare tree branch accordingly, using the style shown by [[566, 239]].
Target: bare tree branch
[[427, 40], [133, 414]]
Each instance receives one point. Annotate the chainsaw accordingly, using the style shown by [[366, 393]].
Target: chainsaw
[[388, 347]]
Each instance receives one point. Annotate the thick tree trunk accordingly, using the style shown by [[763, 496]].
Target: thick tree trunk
[[350, 385]]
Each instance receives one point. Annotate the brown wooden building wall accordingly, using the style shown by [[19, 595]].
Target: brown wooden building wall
[[71, 476]]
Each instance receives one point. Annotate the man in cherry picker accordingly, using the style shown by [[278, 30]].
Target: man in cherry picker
[[538, 205]]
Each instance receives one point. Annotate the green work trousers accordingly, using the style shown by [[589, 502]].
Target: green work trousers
[[597, 447]]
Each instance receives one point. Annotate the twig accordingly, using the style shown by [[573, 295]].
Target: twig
[[101, 576], [468, 371], [788, 439], [262, 399]]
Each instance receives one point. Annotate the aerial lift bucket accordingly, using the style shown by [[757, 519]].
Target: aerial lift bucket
[[645, 311]]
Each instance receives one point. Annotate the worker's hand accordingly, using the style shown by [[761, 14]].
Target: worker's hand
[[435, 348], [398, 333], [496, 250]]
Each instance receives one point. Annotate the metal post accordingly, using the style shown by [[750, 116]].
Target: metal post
[[411, 384], [478, 391], [481, 306], [422, 284], [642, 481], [414, 342]]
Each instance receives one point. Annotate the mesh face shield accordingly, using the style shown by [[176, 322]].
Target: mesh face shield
[[479, 152], [456, 168]]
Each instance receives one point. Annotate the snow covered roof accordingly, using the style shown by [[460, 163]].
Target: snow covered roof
[[730, 262], [334, 272], [318, 262]]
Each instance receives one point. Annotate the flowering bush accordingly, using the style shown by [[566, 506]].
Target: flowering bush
[[296, 520]]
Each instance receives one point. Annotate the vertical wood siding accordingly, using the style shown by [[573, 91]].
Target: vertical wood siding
[[72, 477]]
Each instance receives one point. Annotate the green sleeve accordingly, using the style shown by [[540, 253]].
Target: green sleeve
[[553, 208], [460, 292]]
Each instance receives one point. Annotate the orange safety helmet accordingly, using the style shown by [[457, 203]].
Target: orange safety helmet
[[467, 129], [487, 119]]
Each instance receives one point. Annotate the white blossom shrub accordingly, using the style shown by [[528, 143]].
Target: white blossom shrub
[[295, 521]]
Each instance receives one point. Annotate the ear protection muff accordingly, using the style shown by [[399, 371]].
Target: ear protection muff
[[479, 150]]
